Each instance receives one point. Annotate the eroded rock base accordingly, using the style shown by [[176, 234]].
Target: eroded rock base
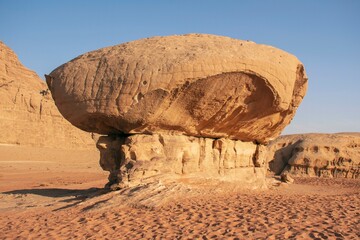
[[140, 158]]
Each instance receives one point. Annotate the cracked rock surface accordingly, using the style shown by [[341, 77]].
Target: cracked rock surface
[[195, 84]]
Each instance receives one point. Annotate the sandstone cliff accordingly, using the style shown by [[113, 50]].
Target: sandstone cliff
[[28, 115], [322, 155]]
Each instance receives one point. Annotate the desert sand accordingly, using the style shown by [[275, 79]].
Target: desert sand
[[58, 194]]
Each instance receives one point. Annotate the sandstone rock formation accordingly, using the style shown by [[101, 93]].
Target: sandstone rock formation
[[28, 115], [133, 159], [190, 105], [196, 84], [322, 155]]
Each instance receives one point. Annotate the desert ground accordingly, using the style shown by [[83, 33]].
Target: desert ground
[[58, 194]]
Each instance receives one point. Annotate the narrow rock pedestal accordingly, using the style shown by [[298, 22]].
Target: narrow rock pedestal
[[140, 158]]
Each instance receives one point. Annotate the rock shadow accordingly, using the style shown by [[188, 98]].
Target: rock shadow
[[71, 197], [60, 192], [282, 156]]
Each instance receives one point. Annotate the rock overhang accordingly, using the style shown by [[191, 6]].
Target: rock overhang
[[168, 84]]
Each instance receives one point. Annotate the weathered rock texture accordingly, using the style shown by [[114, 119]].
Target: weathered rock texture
[[28, 115], [196, 84], [323, 155], [135, 159]]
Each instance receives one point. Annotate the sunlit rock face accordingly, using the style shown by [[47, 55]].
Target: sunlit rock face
[[197, 85], [195, 104], [28, 115], [322, 155], [137, 158]]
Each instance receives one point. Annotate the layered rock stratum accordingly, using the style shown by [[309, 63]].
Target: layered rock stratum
[[189, 104], [316, 155], [28, 115]]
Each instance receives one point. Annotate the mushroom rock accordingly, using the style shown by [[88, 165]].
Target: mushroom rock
[[194, 89], [316, 155]]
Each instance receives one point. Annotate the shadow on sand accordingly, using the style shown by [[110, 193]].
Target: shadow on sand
[[59, 192], [71, 196]]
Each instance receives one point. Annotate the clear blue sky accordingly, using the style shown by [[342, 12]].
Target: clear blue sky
[[324, 35]]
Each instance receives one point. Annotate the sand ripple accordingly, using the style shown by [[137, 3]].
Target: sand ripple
[[283, 213]]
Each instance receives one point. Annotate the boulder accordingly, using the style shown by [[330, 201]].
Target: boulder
[[28, 115], [316, 155], [196, 84]]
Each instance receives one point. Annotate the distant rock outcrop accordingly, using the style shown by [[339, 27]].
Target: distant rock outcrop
[[322, 155], [227, 96], [28, 115]]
